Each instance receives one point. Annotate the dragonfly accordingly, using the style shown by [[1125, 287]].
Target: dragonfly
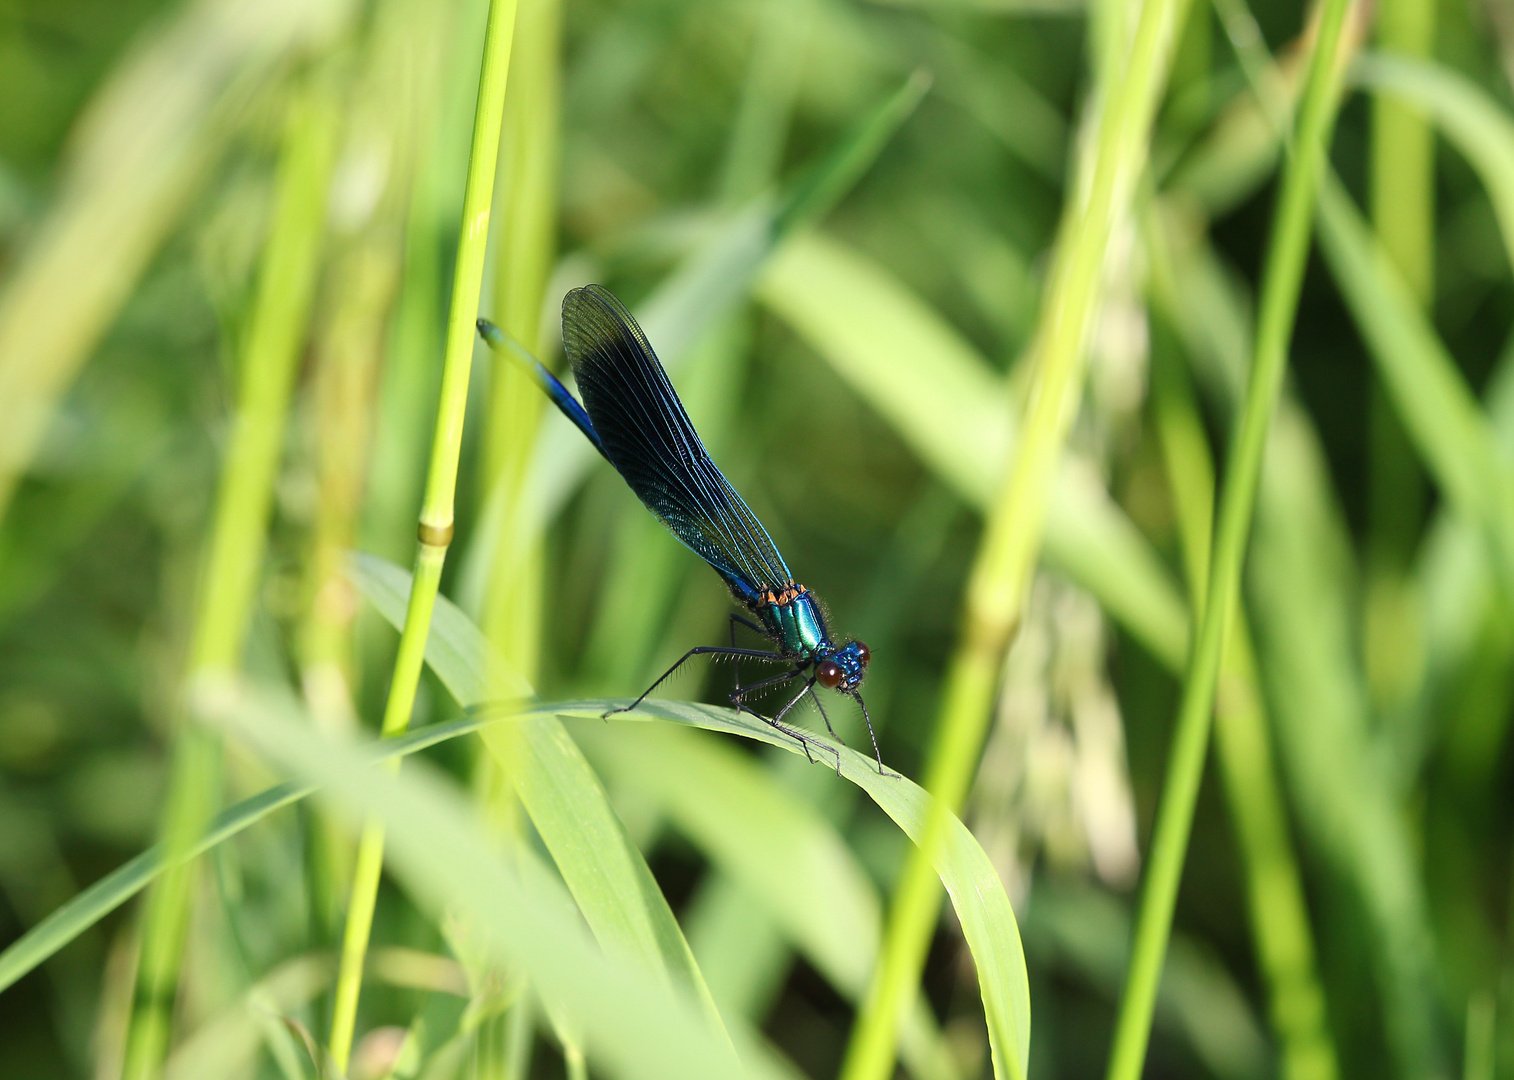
[[633, 417]]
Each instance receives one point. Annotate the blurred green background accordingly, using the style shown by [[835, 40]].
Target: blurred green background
[[859, 395]]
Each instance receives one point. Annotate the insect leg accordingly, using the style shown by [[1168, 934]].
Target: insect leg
[[827, 719], [698, 650], [734, 619], [804, 740], [762, 684], [869, 721]]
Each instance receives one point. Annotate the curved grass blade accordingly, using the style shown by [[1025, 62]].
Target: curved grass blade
[[982, 906], [120, 885], [781, 850], [603, 869], [1439, 410], [1471, 120], [988, 921], [634, 1023]]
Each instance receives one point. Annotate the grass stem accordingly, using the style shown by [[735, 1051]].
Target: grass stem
[[435, 531], [1006, 559], [1274, 883], [286, 284], [1282, 278]]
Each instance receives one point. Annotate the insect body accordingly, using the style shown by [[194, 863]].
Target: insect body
[[634, 418]]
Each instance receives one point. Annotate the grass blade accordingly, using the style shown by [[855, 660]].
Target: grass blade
[[1439, 410], [436, 517], [603, 870], [1121, 112], [634, 1024], [779, 848], [987, 920], [142, 148], [1282, 278]]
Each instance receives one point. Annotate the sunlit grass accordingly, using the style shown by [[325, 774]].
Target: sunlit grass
[[997, 314]]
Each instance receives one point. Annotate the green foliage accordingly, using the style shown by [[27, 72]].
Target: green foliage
[[985, 307]]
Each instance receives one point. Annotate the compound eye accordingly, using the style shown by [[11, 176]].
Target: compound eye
[[863, 652], [828, 674]]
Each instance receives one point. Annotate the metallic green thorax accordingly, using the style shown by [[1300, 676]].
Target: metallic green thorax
[[793, 619]]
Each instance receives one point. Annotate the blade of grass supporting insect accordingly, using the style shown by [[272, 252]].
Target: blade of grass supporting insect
[[458, 655], [1012, 536], [1282, 277], [1274, 887], [634, 1024], [779, 847], [606, 874], [435, 532], [145, 142], [238, 537]]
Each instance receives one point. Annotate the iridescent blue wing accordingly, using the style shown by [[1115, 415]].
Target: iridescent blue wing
[[646, 434]]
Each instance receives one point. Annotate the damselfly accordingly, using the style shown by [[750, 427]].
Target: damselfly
[[633, 417]]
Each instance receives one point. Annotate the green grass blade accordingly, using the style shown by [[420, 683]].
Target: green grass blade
[[944, 400], [1282, 279], [1199, 1001], [605, 872], [1301, 591], [634, 1024], [438, 503], [778, 847], [142, 150], [1276, 904], [120, 885], [1438, 408], [987, 920], [227, 592], [1470, 119]]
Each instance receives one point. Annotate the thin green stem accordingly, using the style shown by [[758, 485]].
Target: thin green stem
[[441, 483], [286, 283], [1403, 214], [1006, 560], [1274, 885], [1282, 277]]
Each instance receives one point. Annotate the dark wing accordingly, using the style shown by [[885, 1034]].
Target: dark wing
[[647, 436]]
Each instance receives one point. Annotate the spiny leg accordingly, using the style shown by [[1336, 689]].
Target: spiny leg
[[868, 720], [698, 650], [762, 684], [736, 671], [804, 740], [824, 717]]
